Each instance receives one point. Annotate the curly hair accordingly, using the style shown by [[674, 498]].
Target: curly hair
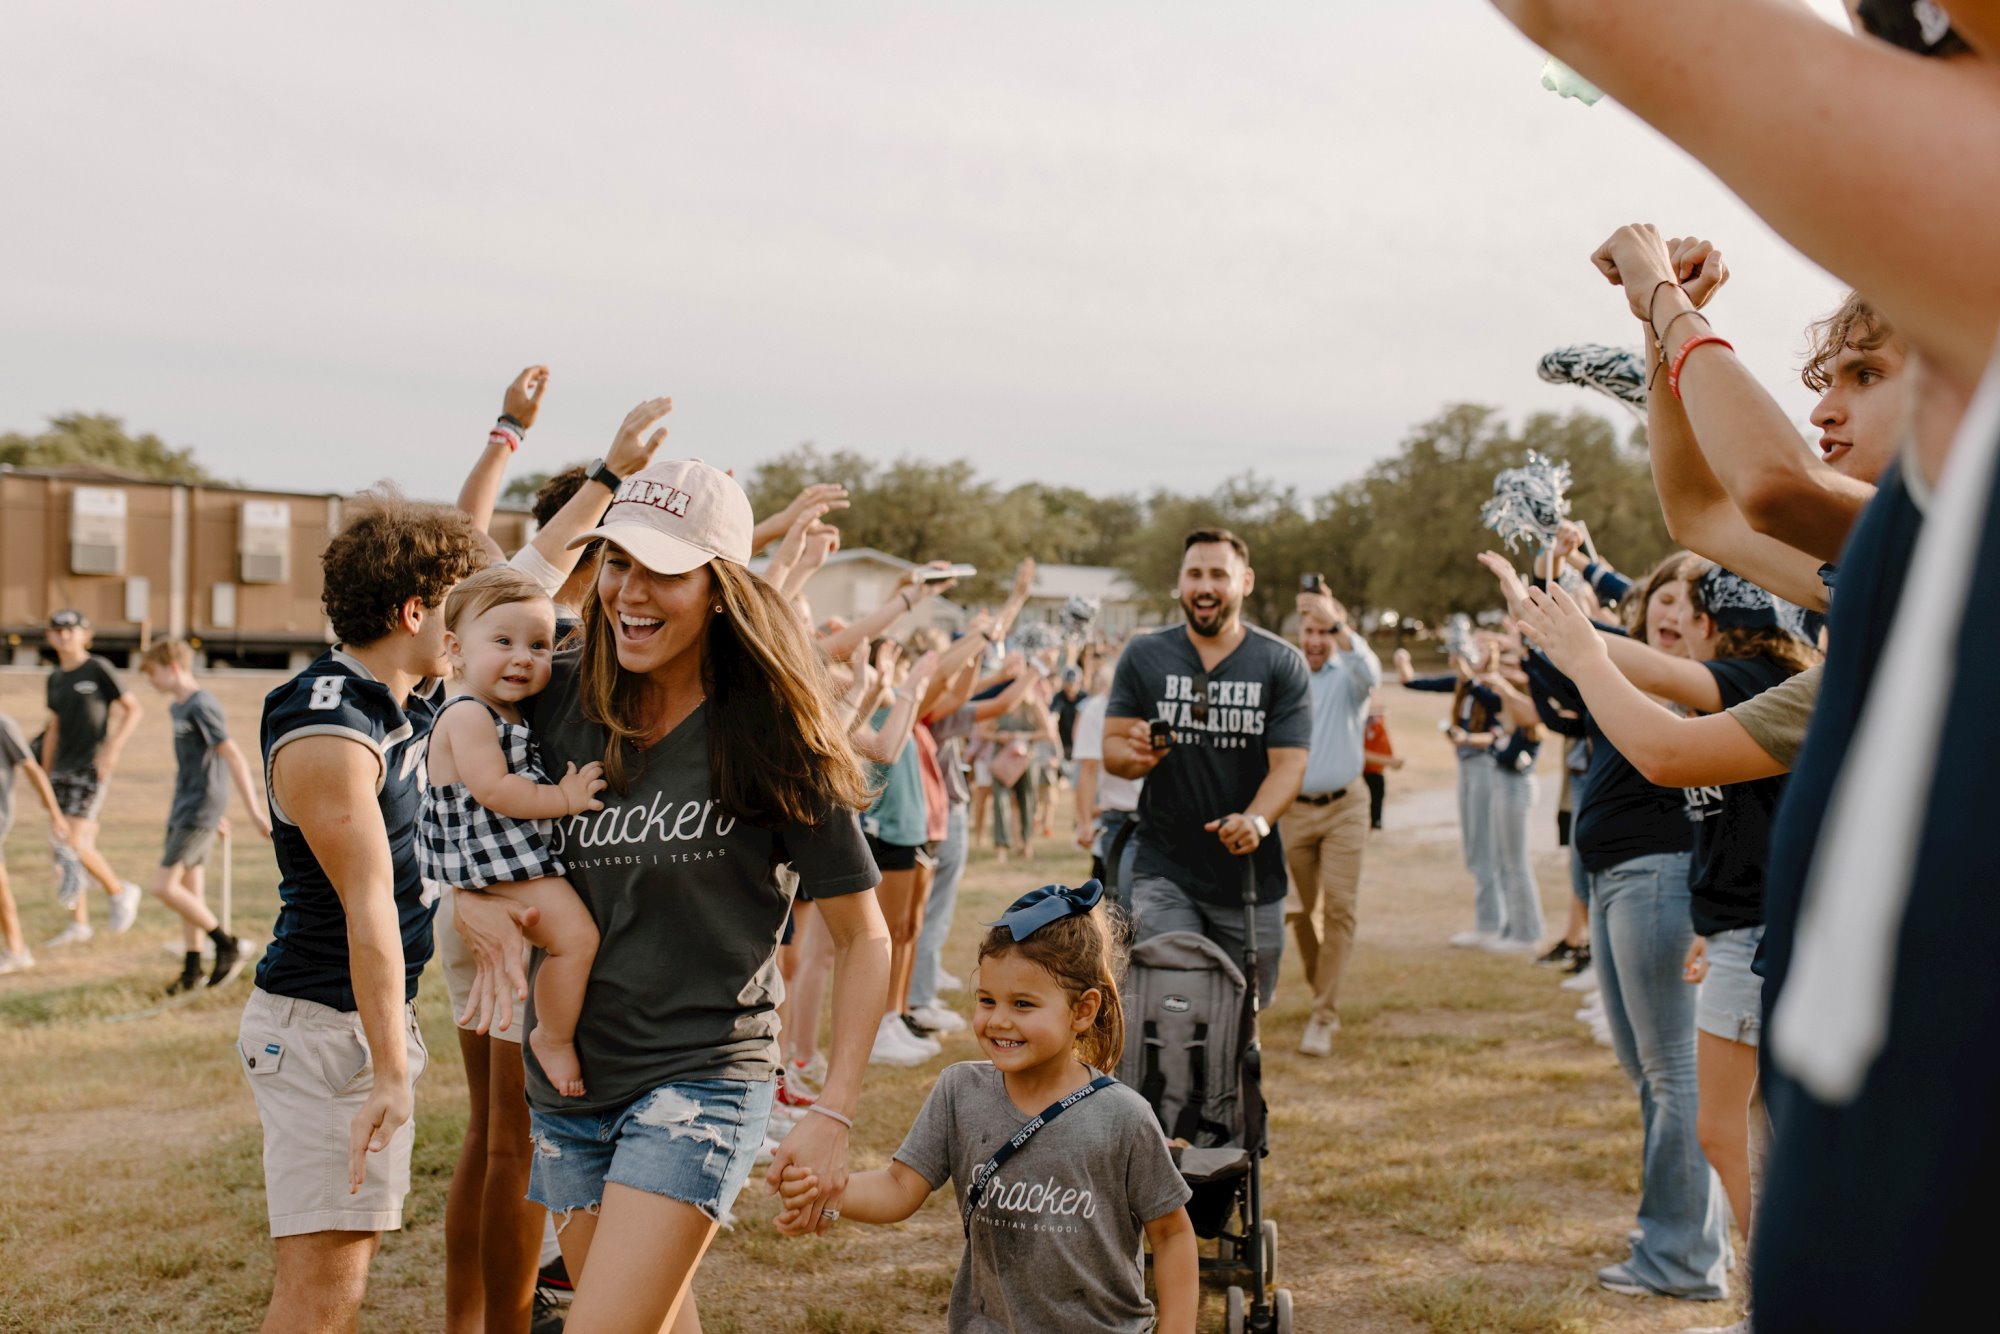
[[1081, 954], [555, 493], [390, 550], [1856, 324]]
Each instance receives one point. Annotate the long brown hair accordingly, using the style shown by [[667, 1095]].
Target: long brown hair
[[776, 749], [1681, 565], [1078, 953]]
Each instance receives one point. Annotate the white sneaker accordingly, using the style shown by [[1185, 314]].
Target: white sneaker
[[76, 933], [1583, 981], [1318, 1038], [1501, 945], [807, 1077], [16, 963], [125, 907], [946, 982], [894, 1044], [939, 1018], [1472, 940]]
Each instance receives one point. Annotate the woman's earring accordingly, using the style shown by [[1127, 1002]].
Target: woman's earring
[[718, 609]]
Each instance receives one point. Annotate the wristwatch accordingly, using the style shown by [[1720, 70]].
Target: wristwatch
[[1260, 824], [598, 472]]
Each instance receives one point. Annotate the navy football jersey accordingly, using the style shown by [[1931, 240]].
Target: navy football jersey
[[336, 696]]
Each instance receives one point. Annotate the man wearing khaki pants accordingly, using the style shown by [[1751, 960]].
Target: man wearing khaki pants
[[1327, 827]]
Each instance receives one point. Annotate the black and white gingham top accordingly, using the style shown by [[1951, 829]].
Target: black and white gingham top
[[460, 842]]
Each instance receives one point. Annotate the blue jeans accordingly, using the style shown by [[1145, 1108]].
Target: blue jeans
[[1477, 775], [937, 912], [1640, 932], [1520, 896]]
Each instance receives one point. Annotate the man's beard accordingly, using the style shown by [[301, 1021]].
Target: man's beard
[[1210, 623]]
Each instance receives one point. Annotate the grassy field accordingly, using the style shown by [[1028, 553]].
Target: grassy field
[[1461, 1164]]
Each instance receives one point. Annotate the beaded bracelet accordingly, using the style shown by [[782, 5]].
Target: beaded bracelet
[[847, 1121], [505, 432], [1680, 358]]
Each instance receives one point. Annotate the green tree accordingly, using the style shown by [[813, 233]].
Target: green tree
[[100, 439]]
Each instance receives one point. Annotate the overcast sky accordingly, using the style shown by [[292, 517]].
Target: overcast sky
[[1116, 246]]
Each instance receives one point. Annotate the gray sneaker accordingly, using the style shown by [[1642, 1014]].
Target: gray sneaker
[[76, 933], [1620, 1279], [69, 874], [125, 907]]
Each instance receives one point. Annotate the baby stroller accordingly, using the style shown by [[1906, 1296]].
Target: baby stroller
[[1191, 1050]]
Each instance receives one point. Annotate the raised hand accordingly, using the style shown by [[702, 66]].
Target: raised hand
[[581, 786], [1698, 266], [523, 400], [1024, 578], [1635, 258], [632, 449], [1511, 586], [1565, 634], [819, 498]]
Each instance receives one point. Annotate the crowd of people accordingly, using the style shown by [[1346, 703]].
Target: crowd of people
[[655, 761]]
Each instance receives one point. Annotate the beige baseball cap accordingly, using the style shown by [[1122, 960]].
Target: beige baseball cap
[[678, 516]]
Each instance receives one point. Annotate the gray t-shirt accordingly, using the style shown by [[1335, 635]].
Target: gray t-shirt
[[1055, 1244], [1259, 699], [689, 905], [13, 750], [201, 779], [81, 701], [1776, 719]]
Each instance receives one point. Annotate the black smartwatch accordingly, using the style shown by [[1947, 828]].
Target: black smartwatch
[[601, 474]]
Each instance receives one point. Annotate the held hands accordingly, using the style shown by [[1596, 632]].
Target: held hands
[[581, 786], [1237, 834], [387, 1108], [1562, 629], [798, 1188], [632, 449], [523, 400], [813, 1158]]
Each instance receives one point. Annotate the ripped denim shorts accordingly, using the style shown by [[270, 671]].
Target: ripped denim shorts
[[693, 1142]]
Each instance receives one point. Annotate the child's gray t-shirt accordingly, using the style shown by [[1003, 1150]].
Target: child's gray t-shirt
[[1056, 1241]]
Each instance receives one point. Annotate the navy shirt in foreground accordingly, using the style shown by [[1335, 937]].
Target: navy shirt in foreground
[[336, 696], [1877, 1215], [1732, 824], [1619, 814]]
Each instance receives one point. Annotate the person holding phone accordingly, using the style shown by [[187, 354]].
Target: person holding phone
[[1233, 705]]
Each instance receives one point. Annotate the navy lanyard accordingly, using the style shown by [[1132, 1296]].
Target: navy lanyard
[[983, 1178]]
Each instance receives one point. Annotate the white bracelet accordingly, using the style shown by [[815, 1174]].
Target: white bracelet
[[847, 1121]]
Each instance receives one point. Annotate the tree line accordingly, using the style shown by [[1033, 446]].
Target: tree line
[[1400, 537]]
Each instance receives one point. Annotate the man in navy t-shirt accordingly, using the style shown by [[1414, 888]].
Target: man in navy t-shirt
[[1232, 707], [329, 1039]]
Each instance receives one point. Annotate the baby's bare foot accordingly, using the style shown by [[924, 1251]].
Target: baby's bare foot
[[559, 1063]]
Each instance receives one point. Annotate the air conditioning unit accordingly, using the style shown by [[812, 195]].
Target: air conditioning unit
[[264, 542], [96, 530]]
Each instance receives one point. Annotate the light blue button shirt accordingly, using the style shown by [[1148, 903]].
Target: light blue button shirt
[[1340, 717]]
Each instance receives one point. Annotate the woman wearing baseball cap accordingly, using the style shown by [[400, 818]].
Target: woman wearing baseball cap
[[697, 688]]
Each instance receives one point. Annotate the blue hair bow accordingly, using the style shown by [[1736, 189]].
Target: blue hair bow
[[1051, 903]]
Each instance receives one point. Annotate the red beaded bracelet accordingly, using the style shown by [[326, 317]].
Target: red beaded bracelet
[[1680, 358]]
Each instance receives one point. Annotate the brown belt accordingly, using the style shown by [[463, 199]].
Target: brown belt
[[1321, 798]]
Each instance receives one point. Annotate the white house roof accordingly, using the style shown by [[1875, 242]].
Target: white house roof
[[845, 556], [1105, 583]]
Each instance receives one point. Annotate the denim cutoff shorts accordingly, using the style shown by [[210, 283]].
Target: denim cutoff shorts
[[1731, 1004], [693, 1141]]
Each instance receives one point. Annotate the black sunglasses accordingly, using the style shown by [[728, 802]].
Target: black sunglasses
[[1198, 706]]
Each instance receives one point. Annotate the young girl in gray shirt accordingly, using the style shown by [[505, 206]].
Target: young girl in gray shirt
[[1058, 1169]]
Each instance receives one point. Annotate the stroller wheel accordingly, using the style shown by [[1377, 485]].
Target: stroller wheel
[[1270, 1239], [1281, 1304], [1233, 1310]]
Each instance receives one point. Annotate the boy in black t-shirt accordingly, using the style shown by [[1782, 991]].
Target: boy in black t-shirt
[[89, 718]]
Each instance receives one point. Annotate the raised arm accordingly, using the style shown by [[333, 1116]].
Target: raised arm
[[1668, 749], [1749, 88], [903, 599], [519, 407], [1771, 485], [631, 450], [824, 495]]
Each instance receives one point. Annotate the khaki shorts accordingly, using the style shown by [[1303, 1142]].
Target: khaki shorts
[[455, 957], [310, 1072], [187, 846]]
